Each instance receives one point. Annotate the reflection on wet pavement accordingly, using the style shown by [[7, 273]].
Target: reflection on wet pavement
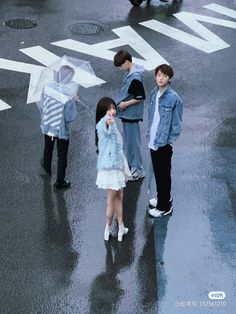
[[58, 235]]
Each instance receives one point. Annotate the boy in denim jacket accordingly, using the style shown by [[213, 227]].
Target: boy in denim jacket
[[164, 127], [130, 103]]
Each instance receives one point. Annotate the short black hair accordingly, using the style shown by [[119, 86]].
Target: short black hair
[[165, 69], [121, 56]]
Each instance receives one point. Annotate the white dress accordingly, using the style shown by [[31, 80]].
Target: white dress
[[113, 179]]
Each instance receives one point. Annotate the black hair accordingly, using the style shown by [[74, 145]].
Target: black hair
[[165, 69], [121, 56], [104, 104]]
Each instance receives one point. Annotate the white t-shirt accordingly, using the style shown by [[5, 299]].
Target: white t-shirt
[[155, 124]]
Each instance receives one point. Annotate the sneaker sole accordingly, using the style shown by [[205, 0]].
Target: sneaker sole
[[169, 212], [163, 215]]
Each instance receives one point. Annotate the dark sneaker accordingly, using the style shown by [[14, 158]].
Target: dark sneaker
[[46, 170], [61, 185]]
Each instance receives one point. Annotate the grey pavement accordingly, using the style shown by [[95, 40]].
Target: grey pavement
[[53, 256]]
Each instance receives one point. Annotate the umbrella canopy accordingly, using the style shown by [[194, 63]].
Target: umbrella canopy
[[65, 76], [83, 73]]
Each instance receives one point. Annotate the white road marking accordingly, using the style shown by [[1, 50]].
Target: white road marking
[[33, 70], [40, 54], [210, 42], [220, 9], [127, 36], [3, 105]]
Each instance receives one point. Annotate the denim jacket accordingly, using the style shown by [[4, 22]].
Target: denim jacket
[[110, 146], [133, 112], [170, 111]]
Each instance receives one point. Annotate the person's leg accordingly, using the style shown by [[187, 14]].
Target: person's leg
[[161, 160], [126, 142], [119, 206], [132, 140], [62, 151], [48, 152], [135, 141], [111, 202], [119, 213], [165, 178]]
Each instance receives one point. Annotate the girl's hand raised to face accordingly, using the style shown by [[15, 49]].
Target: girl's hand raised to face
[[111, 114], [109, 120]]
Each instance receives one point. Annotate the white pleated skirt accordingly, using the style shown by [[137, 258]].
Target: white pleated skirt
[[113, 179]]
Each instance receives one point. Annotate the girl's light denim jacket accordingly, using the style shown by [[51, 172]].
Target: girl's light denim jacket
[[170, 111], [110, 146], [134, 112]]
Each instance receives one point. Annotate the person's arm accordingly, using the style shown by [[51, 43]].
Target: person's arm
[[70, 110], [136, 90], [176, 125]]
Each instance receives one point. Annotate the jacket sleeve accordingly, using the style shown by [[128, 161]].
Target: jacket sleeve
[[176, 125], [149, 117], [70, 111]]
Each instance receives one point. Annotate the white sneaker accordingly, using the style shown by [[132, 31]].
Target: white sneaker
[[135, 176], [122, 231], [153, 202], [155, 212], [141, 175], [159, 213]]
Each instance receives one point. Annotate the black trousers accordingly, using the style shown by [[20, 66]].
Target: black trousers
[[62, 151], [161, 162]]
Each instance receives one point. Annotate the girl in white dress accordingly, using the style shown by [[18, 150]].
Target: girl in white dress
[[113, 170]]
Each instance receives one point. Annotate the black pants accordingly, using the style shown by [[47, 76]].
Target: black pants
[[161, 162], [62, 150]]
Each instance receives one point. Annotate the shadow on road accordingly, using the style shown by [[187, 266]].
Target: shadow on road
[[106, 291], [58, 234]]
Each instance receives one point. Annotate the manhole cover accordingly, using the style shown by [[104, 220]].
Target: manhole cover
[[85, 28], [20, 23]]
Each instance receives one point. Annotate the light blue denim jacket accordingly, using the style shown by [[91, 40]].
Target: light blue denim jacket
[[133, 112], [110, 146], [170, 111]]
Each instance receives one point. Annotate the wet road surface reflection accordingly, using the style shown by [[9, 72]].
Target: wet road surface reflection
[[58, 235]]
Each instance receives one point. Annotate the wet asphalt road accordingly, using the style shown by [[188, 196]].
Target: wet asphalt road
[[53, 257]]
